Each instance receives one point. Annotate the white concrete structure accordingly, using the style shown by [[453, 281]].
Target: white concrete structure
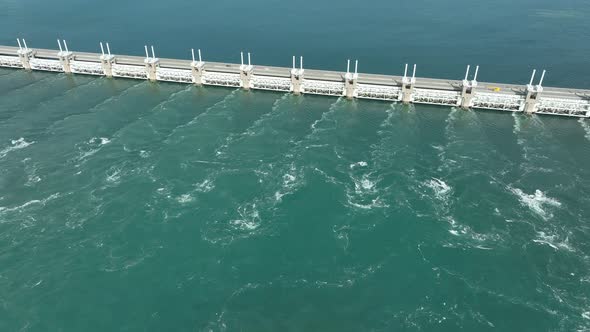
[[407, 89]]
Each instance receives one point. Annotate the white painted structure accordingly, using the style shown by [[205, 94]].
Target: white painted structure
[[466, 93]]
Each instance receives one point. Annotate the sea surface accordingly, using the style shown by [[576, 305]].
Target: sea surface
[[127, 205]]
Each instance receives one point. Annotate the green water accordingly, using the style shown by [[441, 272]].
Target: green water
[[129, 205], [136, 206]]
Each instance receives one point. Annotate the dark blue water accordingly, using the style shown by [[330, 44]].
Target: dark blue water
[[506, 38]]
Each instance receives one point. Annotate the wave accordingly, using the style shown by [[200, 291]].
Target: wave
[[90, 147], [318, 125], [553, 241], [358, 164], [292, 180], [54, 97], [108, 100], [17, 144], [249, 218], [160, 106], [253, 129], [220, 104], [538, 202], [440, 188], [49, 78], [32, 202]]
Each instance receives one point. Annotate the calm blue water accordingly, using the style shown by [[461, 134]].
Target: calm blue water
[[137, 206]]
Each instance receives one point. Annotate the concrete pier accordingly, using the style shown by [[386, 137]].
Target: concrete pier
[[466, 93], [246, 72], [197, 69], [151, 65], [25, 56], [408, 85], [532, 94], [106, 61], [297, 77], [65, 56], [350, 80], [467, 89]]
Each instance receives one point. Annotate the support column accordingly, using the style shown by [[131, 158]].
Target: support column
[[151, 64], [198, 69], [24, 54], [408, 85], [297, 77], [350, 80], [468, 88], [533, 94], [246, 72], [65, 57], [107, 61]]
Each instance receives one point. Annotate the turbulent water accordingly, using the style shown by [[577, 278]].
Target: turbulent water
[[127, 205]]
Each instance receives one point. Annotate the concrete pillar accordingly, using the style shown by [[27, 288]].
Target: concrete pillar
[[151, 68], [25, 56], [407, 89], [297, 81], [532, 98], [468, 88], [533, 92], [65, 57], [107, 61], [467, 93], [408, 85], [350, 81], [246, 73], [297, 77], [198, 69]]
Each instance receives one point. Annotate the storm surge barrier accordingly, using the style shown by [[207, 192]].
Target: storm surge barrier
[[467, 93]]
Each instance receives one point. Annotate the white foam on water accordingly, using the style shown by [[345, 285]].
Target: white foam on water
[[330, 179], [586, 315], [206, 186], [249, 218], [538, 202], [390, 113], [358, 164], [475, 240], [292, 180], [91, 147], [144, 154], [363, 185], [114, 176], [325, 117], [32, 202], [440, 188], [365, 195], [185, 198], [376, 203], [553, 241], [517, 123], [17, 144]]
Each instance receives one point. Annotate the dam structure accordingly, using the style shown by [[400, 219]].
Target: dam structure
[[467, 93]]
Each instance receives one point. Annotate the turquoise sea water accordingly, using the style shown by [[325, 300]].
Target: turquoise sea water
[[135, 206]]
